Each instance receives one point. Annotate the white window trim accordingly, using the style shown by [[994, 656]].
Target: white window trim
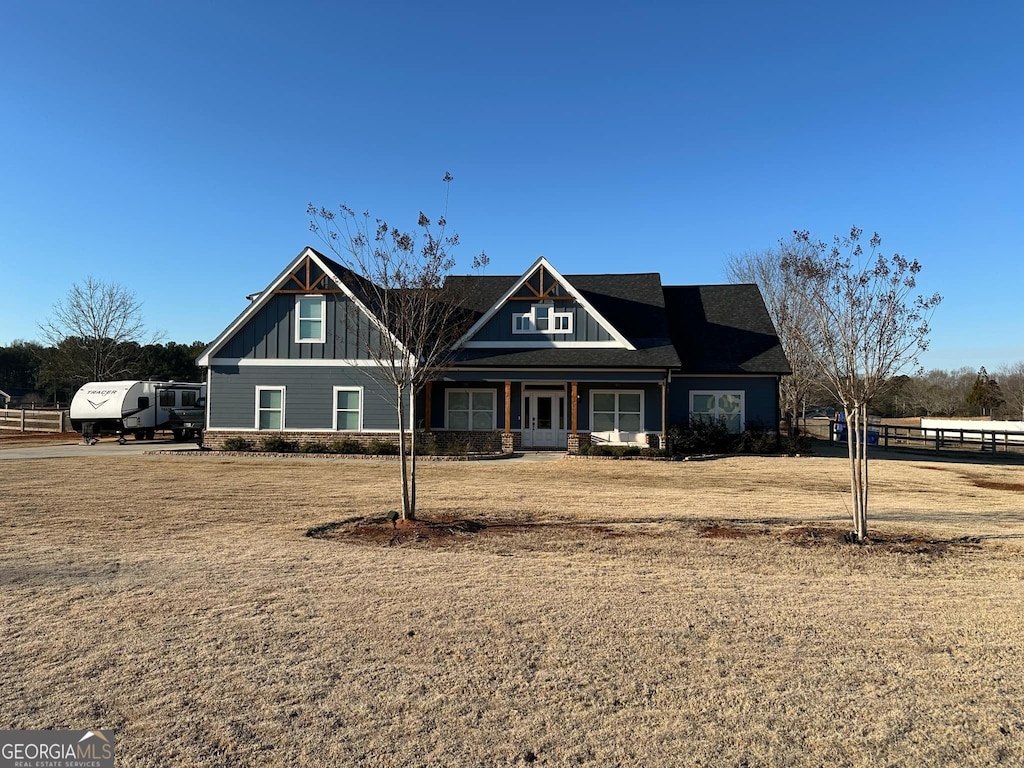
[[531, 318], [716, 393], [260, 388], [494, 409], [334, 402], [323, 320], [618, 392]]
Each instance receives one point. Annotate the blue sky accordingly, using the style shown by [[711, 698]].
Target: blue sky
[[173, 147]]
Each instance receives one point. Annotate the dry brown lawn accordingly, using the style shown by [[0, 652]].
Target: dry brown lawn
[[180, 602]]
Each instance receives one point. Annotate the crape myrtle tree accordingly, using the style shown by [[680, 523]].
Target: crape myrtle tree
[[401, 275], [95, 332], [788, 306], [867, 327]]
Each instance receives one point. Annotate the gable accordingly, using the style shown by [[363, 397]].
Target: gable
[[542, 309], [268, 329]]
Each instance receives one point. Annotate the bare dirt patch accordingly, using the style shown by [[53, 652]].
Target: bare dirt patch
[[28, 439], [382, 530]]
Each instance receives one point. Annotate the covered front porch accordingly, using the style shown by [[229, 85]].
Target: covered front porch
[[548, 410]]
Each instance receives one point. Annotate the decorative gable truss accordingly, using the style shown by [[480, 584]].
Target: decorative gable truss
[[542, 309]]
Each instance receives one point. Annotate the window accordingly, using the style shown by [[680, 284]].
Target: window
[[471, 409], [189, 397], [269, 407], [712, 406], [347, 410], [309, 323], [542, 318], [166, 398], [616, 411]]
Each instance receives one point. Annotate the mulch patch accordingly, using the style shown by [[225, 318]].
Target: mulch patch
[[448, 531]]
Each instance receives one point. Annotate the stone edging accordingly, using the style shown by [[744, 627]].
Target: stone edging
[[327, 456]]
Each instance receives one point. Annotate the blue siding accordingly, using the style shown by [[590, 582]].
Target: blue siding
[[761, 395], [584, 326], [270, 333], [309, 395]]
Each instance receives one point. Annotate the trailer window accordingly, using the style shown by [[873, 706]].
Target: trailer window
[[188, 397], [166, 398]]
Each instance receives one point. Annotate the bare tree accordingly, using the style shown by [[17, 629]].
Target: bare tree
[[96, 331], [788, 307], [867, 327], [1012, 378], [401, 277], [939, 392]]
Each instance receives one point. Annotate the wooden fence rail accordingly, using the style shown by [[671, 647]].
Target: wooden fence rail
[[936, 439], [28, 420]]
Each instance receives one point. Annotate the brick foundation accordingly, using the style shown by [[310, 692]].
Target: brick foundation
[[577, 441], [441, 442]]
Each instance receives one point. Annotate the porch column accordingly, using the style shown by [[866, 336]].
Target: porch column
[[426, 409], [572, 406], [508, 407], [664, 413]]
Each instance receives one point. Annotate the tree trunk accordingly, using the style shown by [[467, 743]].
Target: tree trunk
[[857, 439], [412, 454], [407, 512]]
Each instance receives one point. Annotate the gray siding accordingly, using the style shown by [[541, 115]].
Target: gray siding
[[584, 327], [760, 396], [270, 333], [309, 395]]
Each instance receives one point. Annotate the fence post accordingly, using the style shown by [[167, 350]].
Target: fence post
[[938, 439], [22, 419]]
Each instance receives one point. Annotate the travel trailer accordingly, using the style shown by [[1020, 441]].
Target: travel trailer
[[139, 408]]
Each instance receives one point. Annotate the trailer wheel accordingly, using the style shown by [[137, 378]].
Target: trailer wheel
[[150, 434], [179, 435], [139, 434]]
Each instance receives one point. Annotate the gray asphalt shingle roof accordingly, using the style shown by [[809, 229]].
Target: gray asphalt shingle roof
[[700, 329]]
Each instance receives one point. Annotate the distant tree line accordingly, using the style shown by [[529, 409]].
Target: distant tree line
[[51, 374]]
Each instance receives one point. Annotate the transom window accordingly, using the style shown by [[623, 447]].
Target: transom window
[[347, 408], [718, 405], [309, 323], [616, 411], [471, 409], [269, 407], [542, 318]]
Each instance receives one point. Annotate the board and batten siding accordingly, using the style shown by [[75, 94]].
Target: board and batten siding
[[309, 395], [270, 333], [584, 327]]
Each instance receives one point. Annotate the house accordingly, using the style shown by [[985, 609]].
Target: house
[[546, 361]]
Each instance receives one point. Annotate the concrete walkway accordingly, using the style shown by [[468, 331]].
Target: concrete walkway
[[537, 456]]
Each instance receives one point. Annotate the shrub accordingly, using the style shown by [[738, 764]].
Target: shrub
[[276, 444], [426, 445], [236, 444], [345, 445], [381, 448], [313, 446], [757, 439], [796, 444], [701, 436]]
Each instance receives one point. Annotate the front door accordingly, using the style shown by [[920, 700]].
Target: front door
[[544, 424]]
